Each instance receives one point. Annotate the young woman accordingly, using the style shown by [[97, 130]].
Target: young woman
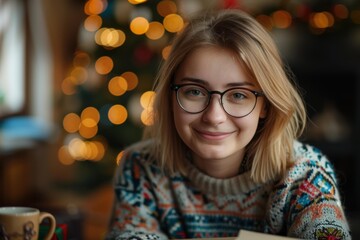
[[223, 153]]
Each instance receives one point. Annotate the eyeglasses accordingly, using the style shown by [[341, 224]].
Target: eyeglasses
[[237, 102]]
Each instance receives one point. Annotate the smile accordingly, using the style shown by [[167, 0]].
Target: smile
[[213, 135]]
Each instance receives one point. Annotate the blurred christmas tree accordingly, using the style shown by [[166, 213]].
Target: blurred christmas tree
[[108, 90]]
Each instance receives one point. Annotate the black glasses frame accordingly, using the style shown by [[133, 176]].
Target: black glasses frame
[[176, 87]]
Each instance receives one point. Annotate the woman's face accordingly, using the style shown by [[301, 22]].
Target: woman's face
[[212, 135]]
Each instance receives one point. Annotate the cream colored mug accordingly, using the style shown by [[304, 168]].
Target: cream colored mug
[[23, 223]]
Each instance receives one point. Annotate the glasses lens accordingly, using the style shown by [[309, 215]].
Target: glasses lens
[[192, 98], [238, 102]]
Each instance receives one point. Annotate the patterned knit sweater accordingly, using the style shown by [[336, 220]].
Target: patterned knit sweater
[[151, 205]]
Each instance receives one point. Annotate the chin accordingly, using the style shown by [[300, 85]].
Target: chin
[[212, 155]]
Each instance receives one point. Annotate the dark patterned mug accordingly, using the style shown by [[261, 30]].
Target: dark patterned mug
[[22, 223]]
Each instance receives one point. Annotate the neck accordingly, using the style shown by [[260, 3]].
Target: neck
[[220, 168]]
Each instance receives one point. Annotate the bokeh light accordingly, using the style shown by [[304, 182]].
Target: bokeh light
[[139, 25], [90, 117], [147, 99], [88, 132], [165, 52], [78, 75], [173, 23], [166, 7], [131, 79], [94, 7], [135, 2], [77, 148], [281, 19], [341, 11], [64, 156], [156, 30], [71, 122], [147, 117], [117, 114], [117, 86], [110, 37], [322, 20], [68, 87], [92, 23], [104, 65]]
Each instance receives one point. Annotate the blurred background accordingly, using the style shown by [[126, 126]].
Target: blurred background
[[75, 89]]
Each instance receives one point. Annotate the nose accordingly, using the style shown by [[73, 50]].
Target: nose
[[214, 113]]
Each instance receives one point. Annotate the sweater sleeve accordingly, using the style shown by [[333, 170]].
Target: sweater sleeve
[[308, 200], [135, 211]]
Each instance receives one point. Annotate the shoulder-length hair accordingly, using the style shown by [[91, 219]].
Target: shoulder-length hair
[[271, 149]]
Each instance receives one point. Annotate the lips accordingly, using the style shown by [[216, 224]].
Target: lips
[[209, 135]]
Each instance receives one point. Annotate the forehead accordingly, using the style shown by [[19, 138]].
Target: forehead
[[216, 66]]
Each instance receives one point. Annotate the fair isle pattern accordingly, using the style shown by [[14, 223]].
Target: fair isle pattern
[[151, 205]]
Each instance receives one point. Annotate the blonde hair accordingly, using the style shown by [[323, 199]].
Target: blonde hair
[[271, 149]]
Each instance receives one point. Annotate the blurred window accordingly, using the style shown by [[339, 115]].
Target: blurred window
[[12, 57]]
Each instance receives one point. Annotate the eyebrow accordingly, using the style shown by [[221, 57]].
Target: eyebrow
[[203, 82]]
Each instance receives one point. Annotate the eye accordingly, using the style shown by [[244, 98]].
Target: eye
[[194, 91], [237, 95]]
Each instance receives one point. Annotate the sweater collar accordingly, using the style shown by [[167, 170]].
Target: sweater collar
[[239, 184]]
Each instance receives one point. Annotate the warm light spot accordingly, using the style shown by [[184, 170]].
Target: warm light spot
[[166, 52], [71, 123], [117, 86], [81, 59], [355, 16], [166, 7], [88, 122], [322, 20], [341, 11], [156, 30], [117, 114], [100, 150], [104, 65], [281, 19], [90, 116], [107, 37], [71, 79], [79, 75], [94, 7], [265, 21], [64, 156], [136, 1], [147, 99], [110, 37], [91, 150], [139, 25], [147, 117], [120, 36], [119, 157], [92, 23], [98, 35], [68, 87], [173, 23], [131, 79], [88, 132], [77, 149]]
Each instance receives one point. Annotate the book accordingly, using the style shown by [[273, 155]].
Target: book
[[250, 235]]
